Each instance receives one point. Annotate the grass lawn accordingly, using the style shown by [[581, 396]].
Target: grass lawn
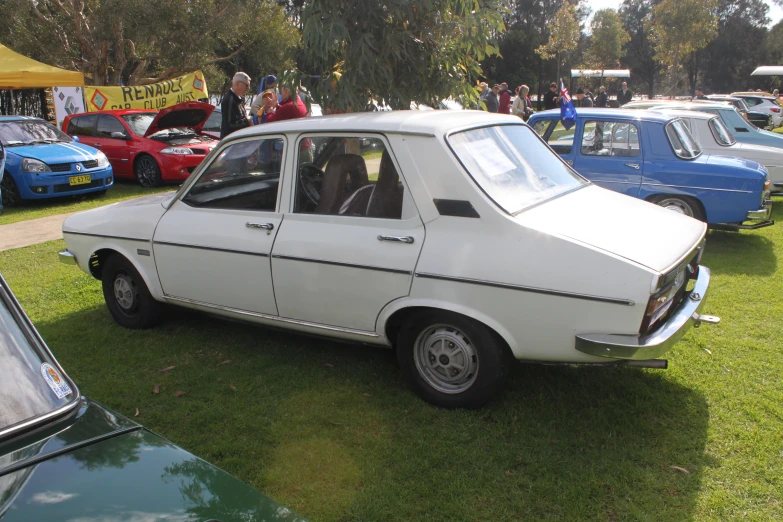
[[50, 207], [332, 431], [779, 130]]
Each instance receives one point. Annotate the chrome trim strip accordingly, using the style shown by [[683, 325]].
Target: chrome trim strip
[[637, 347], [596, 181], [347, 265], [105, 236], [67, 257], [197, 247], [696, 188], [276, 318], [612, 300], [687, 256]]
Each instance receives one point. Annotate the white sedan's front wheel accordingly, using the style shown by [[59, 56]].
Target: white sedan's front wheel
[[452, 361], [127, 296]]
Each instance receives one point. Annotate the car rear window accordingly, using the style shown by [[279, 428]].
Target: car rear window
[[513, 166], [682, 141], [722, 134]]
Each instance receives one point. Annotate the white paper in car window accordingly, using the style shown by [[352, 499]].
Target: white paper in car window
[[489, 157]]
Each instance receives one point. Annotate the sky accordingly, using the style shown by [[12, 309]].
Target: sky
[[775, 12]]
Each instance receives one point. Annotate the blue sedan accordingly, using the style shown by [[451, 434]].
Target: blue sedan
[[654, 157], [43, 162]]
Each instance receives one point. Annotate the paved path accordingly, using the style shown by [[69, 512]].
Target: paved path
[[32, 232]]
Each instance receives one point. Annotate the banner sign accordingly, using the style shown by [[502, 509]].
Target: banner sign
[[155, 96], [67, 100]]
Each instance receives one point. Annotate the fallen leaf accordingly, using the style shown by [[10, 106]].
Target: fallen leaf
[[366, 394], [179, 393], [137, 412], [678, 468], [328, 365], [224, 362], [707, 350], [232, 387], [167, 368], [156, 388]]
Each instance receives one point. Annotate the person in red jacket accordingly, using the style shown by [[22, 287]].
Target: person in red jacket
[[504, 107], [289, 109]]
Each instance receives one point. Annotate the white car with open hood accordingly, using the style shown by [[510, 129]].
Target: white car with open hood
[[459, 238]]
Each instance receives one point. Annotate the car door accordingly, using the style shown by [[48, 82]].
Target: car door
[[350, 242], [212, 246], [610, 155], [83, 127], [117, 149], [560, 139]]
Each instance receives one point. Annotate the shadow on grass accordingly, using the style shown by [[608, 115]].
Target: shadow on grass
[[332, 431], [740, 253]]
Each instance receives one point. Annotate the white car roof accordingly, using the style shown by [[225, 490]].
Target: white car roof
[[684, 113], [435, 123]]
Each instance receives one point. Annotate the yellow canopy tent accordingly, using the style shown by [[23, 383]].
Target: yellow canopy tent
[[21, 72]]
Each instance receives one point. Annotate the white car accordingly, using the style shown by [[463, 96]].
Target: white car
[[715, 138], [459, 238], [763, 102]]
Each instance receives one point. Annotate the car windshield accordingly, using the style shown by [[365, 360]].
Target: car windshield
[[682, 141], [139, 122], [721, 133], [30, 132], [513, 166], [32, 385]]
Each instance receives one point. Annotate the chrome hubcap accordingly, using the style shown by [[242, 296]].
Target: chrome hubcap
[[677, 205], [123, 291], [446, 359]]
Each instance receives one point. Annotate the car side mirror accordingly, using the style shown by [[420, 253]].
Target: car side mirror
[[119, 135], [75, 138]]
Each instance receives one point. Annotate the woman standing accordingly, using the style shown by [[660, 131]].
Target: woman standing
[[521, 105]]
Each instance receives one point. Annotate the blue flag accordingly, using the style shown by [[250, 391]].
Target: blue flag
[[567, 110]]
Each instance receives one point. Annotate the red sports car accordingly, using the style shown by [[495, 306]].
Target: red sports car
[[151, 146]]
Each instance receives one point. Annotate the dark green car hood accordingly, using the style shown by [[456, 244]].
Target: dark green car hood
[[97, 466]]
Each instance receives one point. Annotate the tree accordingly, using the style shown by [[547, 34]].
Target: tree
[[398, 51], [142, 41], [564, 34], [680, 27], [607, 39], [639, 52]]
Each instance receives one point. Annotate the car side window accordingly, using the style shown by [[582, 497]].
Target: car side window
[[108, 124], [82, 125], [562, 140], [213, 122], [244, 175], [541, 126], [606, 138], [347, 176]]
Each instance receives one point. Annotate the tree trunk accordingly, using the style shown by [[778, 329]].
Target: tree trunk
[[674, 73], [558, 69]]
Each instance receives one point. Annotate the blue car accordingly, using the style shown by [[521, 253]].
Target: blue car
[[653, 156], [43, 162]]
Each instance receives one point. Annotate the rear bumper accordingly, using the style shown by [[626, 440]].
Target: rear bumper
[[67, 258], [642, 347]]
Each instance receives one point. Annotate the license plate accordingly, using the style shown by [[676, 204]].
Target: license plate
[[79, 180]]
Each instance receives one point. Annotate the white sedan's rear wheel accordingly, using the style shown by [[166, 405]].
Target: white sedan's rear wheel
[[451, 360]]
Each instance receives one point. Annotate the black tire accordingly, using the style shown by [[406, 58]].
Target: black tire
[[147, 171], [683, 204], [11, 195], [435, 376], [135, 308]]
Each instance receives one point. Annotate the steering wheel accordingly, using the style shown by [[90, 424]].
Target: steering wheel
[[311, 180]]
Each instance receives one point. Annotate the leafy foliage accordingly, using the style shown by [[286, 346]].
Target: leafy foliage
[[398, 51], [607, 40], [639, 51], [564, 33]]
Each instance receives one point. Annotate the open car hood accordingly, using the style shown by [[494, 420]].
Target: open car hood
[[191, 115]]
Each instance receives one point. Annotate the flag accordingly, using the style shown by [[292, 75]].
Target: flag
[[567, 110]]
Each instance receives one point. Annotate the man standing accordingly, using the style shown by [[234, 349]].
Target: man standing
[[700, 93], [232, 107], [624, 95], [551, 97], [504, 100], [582, 100], [491, 99], [603, 99]]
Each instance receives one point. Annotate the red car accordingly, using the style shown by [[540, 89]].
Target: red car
[[151, 146]]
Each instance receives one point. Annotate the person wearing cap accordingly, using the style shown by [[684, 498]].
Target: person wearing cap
[[232, 107], [550, 97], [700, 94], [491, 100], [581, 99], [504, 100], [603, 98], [268, 84]]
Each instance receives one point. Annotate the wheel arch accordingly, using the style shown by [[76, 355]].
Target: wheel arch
[[654, 198], [391, 319], [98, 257]]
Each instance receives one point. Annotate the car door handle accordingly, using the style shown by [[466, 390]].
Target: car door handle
[[396, 239], [265, 226], [633, 165], [95, 144]]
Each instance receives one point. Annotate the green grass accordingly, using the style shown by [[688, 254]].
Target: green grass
[[779, 130], [332, 431], [50, 207]]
